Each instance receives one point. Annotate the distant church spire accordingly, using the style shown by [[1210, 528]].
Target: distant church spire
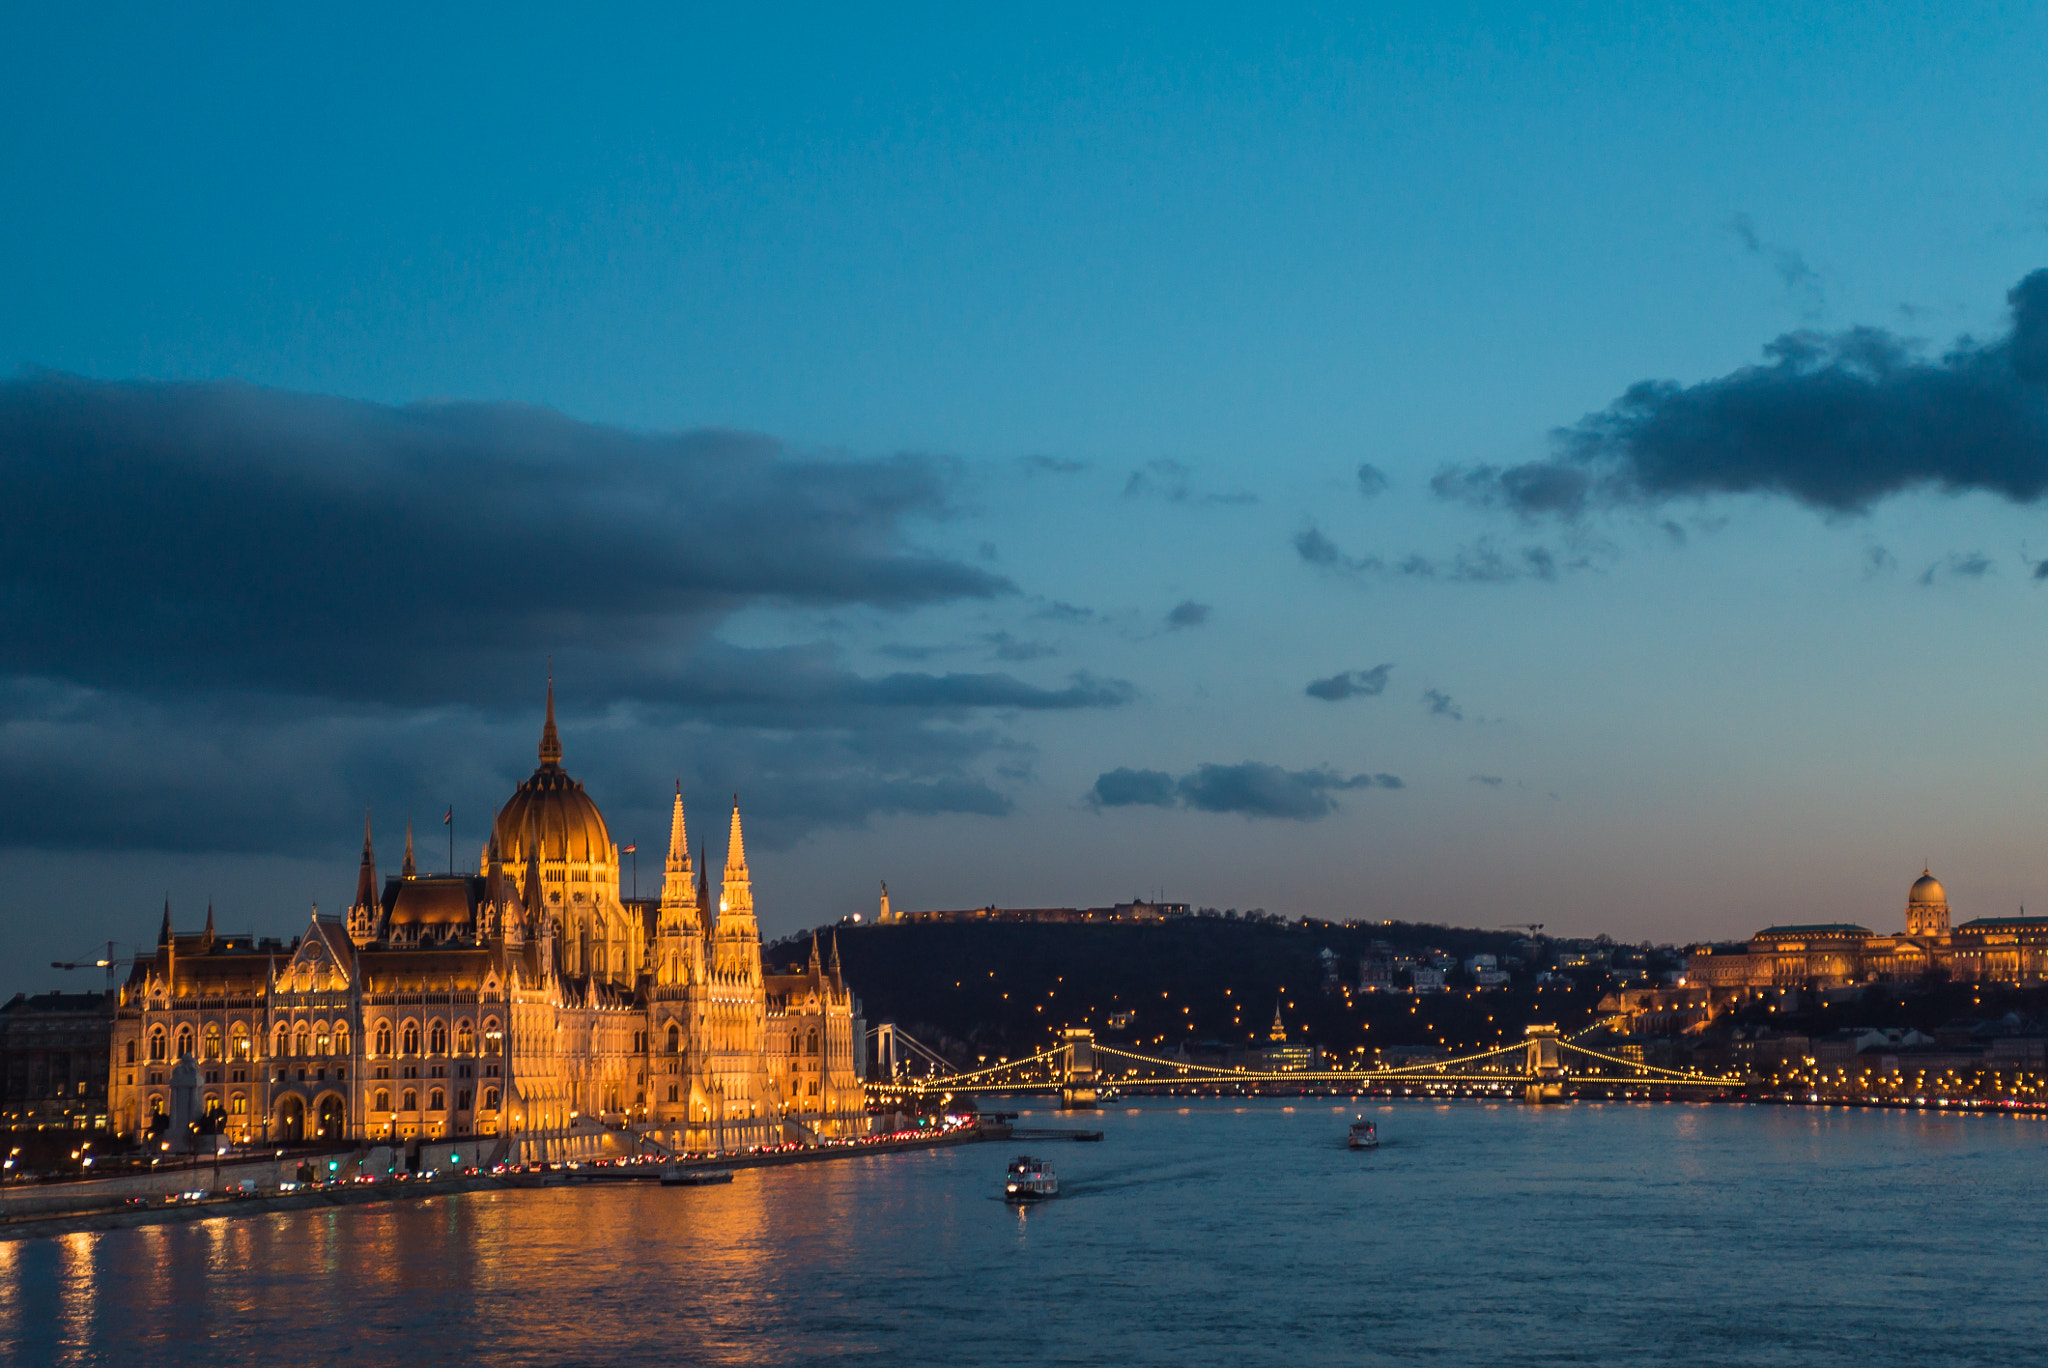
[[1279, 1030], [163, 935], [550, 741]]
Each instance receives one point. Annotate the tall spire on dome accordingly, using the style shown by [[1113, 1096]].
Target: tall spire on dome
[[407, 869], [366, 877], [550, 741]]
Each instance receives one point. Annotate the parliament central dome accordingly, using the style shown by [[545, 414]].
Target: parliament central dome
[[553, 810]]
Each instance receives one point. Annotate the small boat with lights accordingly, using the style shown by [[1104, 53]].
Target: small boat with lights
[[1030, 1180], [675, 1176], [1364, 1135]]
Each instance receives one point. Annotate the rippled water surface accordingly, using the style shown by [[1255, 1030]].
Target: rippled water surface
[[1210, 1233]]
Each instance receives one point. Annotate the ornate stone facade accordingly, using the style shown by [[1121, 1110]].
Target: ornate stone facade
[[527, 1002]]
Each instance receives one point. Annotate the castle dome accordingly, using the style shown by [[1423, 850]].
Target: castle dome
[[553, 810], [1927, 889]]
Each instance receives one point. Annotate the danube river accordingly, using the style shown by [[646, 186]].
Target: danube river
[[1210, 1233]]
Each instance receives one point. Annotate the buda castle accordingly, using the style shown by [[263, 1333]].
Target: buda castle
[[528, 1002], [1838, 954]]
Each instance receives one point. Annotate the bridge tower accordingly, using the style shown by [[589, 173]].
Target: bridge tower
[[882, 1053], [1077, 1085], [1545, 1067]]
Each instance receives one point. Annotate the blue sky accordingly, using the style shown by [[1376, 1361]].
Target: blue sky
[[849, 403]]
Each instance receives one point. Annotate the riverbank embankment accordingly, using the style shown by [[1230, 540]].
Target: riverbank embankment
[[101, 1211]]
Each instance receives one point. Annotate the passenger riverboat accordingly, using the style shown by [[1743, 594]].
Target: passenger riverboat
[[1030, 1180], [1364, 1135], [673, 1175]]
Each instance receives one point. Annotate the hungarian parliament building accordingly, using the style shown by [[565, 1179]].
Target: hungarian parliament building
[[527, 1001]]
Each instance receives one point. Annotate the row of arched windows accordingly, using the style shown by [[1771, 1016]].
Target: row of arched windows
[[437, 1100], [407, 1037]]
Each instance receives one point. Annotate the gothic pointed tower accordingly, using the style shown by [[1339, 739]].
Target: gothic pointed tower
[[362, 913], [407, 870], [679, 922], [736, 943]]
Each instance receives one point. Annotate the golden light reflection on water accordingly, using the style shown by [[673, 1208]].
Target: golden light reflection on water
[[1188, 1228]]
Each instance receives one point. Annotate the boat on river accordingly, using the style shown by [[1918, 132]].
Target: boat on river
[[675, 1176], [1364, 1135], [1030, 1180]]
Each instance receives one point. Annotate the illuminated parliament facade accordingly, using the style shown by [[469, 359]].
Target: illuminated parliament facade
[[527, 1001]]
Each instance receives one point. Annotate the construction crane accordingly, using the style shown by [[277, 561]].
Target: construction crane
[[109, 963]]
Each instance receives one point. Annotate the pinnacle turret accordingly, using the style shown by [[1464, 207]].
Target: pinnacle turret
[[407, 868], [366, 877]]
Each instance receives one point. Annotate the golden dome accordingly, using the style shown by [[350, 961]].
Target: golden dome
[[554, 810], [1927, 889]]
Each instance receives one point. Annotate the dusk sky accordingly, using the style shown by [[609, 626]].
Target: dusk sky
[[1489, 465]]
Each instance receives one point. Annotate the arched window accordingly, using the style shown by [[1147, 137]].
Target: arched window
[[323, 1041], [490, 1099], [156, 1104], [409, 1100], [299, 1039], [811, 1043], [238, 1047], [184, 1041], [277, 1043], [131, 1052], [238, 1105], [675, 1038], [437, 1100], [383, 1100], [341, 1037], [409, 1037], [462, 1099], [465, 1037], [437, 1037], [792, 1042], [210, 1105], [494, 1039], [383, 1037], [212, 1041]]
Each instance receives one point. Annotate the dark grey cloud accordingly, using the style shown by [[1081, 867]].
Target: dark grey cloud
[[1173, 481], [1051, 465], [1441, 704], [168, 536], [1481, 562], [1187, 613], [1133, 788], [1371, 481], [1008, 646], [1973, 565], [1351, 684], [229, 616], [1835, 421], [1790, 265], [1250, 789]]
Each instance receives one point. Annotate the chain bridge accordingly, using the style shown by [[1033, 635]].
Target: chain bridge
[[1546, 1066]]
